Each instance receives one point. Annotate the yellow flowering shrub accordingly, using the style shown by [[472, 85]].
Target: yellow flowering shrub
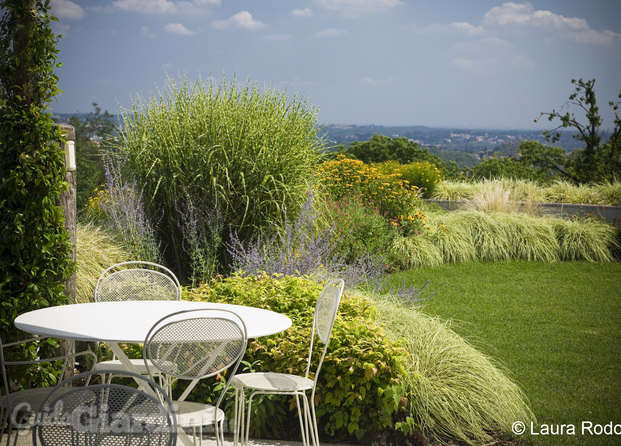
[[422, 174], [390, 194]]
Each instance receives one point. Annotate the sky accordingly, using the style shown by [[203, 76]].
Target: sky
[[485, 64]]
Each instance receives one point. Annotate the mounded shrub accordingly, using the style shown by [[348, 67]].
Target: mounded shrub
[[359, 384]]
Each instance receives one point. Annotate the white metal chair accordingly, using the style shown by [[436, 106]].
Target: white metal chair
[[287, 384], [17, 406], [105, 415], [198, 344], [135, 280]]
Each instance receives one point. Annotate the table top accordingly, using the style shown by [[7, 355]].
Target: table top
[[130, 321]]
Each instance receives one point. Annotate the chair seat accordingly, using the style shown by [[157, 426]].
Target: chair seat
[[28, 399], [191, 414], [115, 365], [272, 382]]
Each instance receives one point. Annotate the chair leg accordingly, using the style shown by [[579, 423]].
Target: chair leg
[[240, 415]]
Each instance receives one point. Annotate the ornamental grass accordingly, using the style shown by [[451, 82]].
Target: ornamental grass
[[454, 391]]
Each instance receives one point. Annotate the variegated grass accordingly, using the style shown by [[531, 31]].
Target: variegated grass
[[454, 391], [96, 249], [246, 151], [530, 192], [464, 236]]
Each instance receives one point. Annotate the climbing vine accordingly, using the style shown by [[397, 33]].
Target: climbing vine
[[34, 245]]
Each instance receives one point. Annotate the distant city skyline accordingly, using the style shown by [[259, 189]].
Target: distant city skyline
[[451, 64]]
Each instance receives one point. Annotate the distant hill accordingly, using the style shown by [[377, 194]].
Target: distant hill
[[471, 140], [465, 147]]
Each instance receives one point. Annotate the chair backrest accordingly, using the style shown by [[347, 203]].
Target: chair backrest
[[323, 320], [65, 363], [196, 344], [105, 414], [137, 280]]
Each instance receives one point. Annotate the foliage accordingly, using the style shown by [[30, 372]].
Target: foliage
[[504, 167], [96, 249], [302, 248], [237, 149], [121, 208], [90, 139], [463, 236], [361, 372], [381, 148], [359, 230], [454, 392], [599, 160], [559, 191], [35, 252], [422, 174], [345, 177]]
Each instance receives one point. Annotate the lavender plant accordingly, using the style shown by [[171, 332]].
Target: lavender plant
[[300, 248], [201, 228], [123, 208], [308, 248]]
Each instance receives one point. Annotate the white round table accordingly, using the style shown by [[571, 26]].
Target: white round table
[[130, 321]]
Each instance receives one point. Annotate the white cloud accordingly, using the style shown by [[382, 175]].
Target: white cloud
[[461, 28], [66, 9], [178, 28], [165, 6], [306, 12], [366, 80], [279, 37], [242, 20], [488, 56], [357, 7], [567, 28], [331, 32], [146, 33]]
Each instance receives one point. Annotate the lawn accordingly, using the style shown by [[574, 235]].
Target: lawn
[[556, 328]]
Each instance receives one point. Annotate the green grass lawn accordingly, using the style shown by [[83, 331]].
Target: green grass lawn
[[556, 329]]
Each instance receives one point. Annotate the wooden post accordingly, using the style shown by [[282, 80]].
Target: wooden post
[[68, 202]]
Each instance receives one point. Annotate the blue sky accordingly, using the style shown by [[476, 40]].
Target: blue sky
[[439, 63]]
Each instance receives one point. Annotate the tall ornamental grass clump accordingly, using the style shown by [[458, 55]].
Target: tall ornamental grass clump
[[454, 392], [233, 155]]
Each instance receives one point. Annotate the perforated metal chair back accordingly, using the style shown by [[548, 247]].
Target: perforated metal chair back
[[106, 415], [17, 405], [196, 344], [323, 320], [326, 308], [137, 280]]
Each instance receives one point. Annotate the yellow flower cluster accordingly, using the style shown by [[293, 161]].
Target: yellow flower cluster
[[346, 177]]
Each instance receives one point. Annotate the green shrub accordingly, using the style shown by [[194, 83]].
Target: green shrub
[[359, 230], [423, 174], [232, 155], [454, 391], [360, 378], [585, 239]]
